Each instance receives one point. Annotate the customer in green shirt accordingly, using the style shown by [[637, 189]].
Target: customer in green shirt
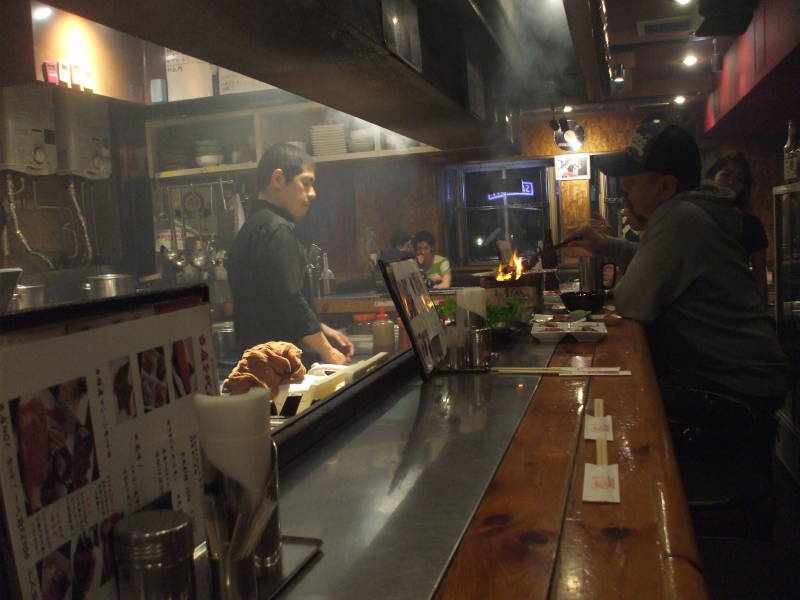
[[436, 268]]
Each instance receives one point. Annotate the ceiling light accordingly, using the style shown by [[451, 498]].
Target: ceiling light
[[683, 2], [563, 125], [567, 108], [690, 60], [618, 73], [554, 125], [679, 99], [41, 13]]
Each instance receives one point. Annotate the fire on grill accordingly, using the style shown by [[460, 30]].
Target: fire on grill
[[512, 270]]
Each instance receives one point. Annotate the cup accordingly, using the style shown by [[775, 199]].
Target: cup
[[244, 538], [480, 347]]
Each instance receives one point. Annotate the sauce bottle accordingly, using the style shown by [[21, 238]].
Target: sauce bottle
[[382, 332]]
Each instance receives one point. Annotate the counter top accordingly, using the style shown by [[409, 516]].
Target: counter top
[[391, 494], [410, 502], [522, 543]]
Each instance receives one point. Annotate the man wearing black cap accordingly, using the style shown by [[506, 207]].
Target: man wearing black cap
[[688, 283]]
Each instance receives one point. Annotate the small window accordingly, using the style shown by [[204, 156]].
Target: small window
[[495, 201]]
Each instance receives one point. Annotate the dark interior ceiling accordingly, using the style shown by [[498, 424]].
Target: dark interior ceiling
[[650, 38]]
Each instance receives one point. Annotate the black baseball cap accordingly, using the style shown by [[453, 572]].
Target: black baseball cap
[[660, 148]]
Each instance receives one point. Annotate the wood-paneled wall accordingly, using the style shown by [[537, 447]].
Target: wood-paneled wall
[[605, 132], [360, 204]]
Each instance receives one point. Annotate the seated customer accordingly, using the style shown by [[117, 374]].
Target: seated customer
[[721, 371], [401, 245], [435, 268]]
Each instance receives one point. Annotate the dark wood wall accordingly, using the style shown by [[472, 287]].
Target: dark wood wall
[[359, 204]]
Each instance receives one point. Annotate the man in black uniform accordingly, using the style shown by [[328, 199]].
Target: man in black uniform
[[266, 266]]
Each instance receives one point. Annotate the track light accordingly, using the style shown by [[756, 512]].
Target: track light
[[618, 73], [563, 125], [716, 58], [554, 125]]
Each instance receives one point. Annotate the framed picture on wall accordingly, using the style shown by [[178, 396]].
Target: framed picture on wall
[[572, 166]]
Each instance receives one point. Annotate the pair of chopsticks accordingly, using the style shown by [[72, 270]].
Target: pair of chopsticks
[[560, 371], [601, 445]]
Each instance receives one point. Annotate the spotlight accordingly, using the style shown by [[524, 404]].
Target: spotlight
[[679, 99], [683, 2], [41, 13], [567, 109], [554, 125], [690, 60], [563, 125], [618, 73]]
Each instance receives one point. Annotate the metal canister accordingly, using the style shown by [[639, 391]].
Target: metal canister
[[28, 296], [479, 344], [154, 552]]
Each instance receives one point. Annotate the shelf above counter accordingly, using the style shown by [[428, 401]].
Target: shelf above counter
[[331, 158]]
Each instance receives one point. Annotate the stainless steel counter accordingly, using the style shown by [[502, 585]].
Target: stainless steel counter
[[391, 494]]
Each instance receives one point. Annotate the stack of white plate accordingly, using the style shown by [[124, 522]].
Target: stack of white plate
[[362, 140], [328, 139]]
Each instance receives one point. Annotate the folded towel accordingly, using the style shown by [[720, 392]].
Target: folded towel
[[267, 365]]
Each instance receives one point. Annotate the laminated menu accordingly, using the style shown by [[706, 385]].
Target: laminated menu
[[95, 425]]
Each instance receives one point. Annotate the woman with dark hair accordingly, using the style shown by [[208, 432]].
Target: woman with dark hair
[[732, 171], [435, 268]]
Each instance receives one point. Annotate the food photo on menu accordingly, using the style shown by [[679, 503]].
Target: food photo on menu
[[183, 370], [153, 374], [124, 395], [73, 570], [55, 442]]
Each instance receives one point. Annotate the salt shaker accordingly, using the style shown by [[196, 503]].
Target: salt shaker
[[154, 551]]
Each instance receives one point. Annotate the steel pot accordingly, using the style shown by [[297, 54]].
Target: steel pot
[[28, 296], [225, 340], [109, 285]]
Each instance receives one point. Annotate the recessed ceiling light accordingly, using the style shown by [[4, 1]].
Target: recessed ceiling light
[[690, 60], [683, 2], [41, 13], [680, 99], [567, 108]]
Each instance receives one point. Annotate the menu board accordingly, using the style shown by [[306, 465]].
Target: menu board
[[187, 77], [93, 426], [417, 310]]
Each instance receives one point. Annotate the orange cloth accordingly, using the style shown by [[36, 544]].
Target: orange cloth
[[267, 365]]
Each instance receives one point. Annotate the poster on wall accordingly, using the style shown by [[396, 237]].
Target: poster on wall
[[96, 425], [572, 166]]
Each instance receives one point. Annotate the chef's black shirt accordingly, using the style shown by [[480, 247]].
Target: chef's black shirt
[[266, 272]]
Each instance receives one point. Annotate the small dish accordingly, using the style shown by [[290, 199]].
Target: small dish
[[588, 332], [549, 332]]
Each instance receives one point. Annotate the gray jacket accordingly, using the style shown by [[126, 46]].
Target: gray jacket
[[688, 282]]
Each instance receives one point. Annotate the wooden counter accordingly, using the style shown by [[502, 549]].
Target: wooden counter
[[532, 535]]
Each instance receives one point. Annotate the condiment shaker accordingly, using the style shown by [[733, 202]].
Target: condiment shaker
[[154, 552]]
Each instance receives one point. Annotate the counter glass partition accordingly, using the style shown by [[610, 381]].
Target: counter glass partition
[[131, 167]]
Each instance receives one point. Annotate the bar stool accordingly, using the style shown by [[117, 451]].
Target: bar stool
[[728, 487], [737, 569]]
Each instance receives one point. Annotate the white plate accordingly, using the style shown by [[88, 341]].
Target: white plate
[[588, 331], [552, 332]]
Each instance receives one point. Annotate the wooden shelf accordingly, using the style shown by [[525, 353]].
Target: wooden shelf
[[223, 168]]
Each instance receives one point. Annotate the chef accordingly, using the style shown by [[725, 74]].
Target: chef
[[266, 266]]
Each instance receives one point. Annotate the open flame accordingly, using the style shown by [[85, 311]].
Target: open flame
[[512, 270]]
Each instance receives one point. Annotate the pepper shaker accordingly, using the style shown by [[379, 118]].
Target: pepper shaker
[[154, 552]]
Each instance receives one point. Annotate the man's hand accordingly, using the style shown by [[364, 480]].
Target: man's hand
[[340, 342], [332, 356], [585, 237]]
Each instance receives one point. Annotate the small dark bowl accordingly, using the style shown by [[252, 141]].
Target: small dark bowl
[[591, 301], [505, 330]]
